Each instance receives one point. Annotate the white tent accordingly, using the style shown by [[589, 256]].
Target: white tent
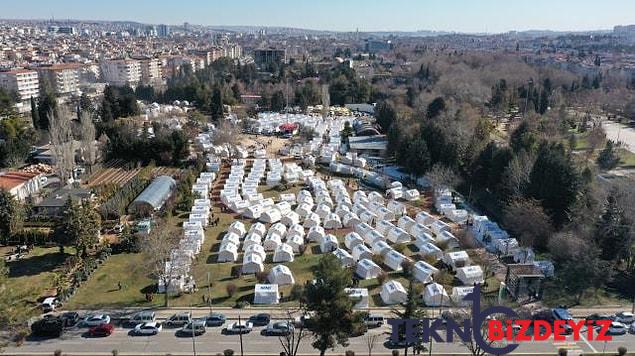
[[384, 226], [380, 247], [288, 197], [405, 222], [362, 228], [266, 294], [332, 222], [203, 219], [281, 275], [270, 215], [367, 269], [344, 257], [398, 236], [252, 263], [434, 295], [323, 211], [395, 193], [385, 214], [329, 243], [411, 195], [253, 212], [284, 253], [295, 230], [316, 234], [290, 218], [448, 239], [272, 242], [295, 242], [231, 237], [228, 252], [394, 259], [192, 225], [458, 293], [303, 209], [361, 251], [456, 259], [251, 239], [376, 197], [424, 272], [360, 295], [350, 219], [470, 275], [458, 216], [439, 226], [284, 207], [393, 292], [312, 219], [425, 218], [430, 249], [423, 239], [258, 229], [352, 239], [418, 229], [368, 217], [238, 228], [254, 249], [396, 208]]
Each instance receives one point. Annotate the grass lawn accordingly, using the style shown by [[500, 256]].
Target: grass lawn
[[627, 158], [31, 277]]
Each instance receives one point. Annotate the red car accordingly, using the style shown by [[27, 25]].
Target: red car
[[101, 330]]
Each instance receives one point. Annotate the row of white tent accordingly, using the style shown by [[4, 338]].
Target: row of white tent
[[434, 294]]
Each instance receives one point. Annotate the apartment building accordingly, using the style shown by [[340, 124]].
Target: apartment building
[[22, 81], [270, 55], [63, 78], [150, 70], [121, 72]]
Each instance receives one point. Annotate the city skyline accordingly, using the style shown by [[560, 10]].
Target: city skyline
[[488, 16]]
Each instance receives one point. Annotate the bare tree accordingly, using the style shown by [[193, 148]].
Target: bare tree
[[326, 101], [226, 133], [89, 150], [291, 342], [441, 176], [61, 137], [371, 340], [517, 173], [157, 250]]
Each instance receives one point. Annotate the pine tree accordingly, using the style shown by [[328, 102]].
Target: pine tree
[[35, 114]]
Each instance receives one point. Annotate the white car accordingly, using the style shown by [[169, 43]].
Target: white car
[[149, 328], [624, 317], [239, 328], [617, 328], [97, 319]]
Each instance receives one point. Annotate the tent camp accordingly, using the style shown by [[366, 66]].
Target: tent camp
[[278, 229], [423, 239], [272, 242], [424, 271], [376, 197], [238, 228], [448, 239], [458, 293], [251, 239], [291, 218], [281, 275], [316, 234], [295, 242], [470, 275], [394, 260], [329, 243], [430, 249], [393, 292], [228, 252], [425, 218], [258, 229], [411, 195], [405, 222], [385, 214], [368, 217], [332, 222], [295, 230], [359, 295], [380, 247], [361, 251], [252, 263], [367, 269], [384, 226], [192, 225], [284, 207], [323, 211], [362, 228], [344, 257], [266, 294], [434, 295], [398, 236], [352, 239], [271, 215], [350, 219], [256, 250], [456, 259], [439, 226], [283, 253], [312, 219], [304, 209], [396, 208], [418, 229], [231, 237], [253, 212]]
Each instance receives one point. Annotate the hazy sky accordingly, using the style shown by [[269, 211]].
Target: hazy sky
[[345, 15]]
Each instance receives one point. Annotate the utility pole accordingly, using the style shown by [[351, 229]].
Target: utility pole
[[209, 293], [193, 336], [240, 335]]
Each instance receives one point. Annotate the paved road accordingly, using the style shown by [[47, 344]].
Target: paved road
[[75, 341], [621, 133]]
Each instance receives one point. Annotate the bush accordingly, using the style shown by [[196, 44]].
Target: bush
[[562, 352], [302, 249], [228, 352], [296, 292], [262, 277], [231, 289], [621, 351], [381, 278], [395, 352], [349, 353]]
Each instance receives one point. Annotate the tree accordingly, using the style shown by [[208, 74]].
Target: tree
[[62, 141], [82, 224], [526, 219], [435, 108], [11, 214], [216, 104], [326, 300], [35, 114], [608, 157], [291, 342], [157, 251], [523, 138], [441, 176], [89, 149], [613, 237], [385, 115], [277, 101], [583, 271], [47, 104]]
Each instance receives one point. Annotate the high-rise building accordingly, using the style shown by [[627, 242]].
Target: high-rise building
[[22, 81], [63, 78], [163, 30], [270, 55], [121, 72], [150, 71]]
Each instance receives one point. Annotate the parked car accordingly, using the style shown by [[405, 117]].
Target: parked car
[[70, 319], [102, 330], [148, 328], [49, 304], [561, 314], [239, 328], [632, 329], [145, 316], [617, 328], [215, 319], [261, 319], [96, 319], [48, 326], [193, 328], [594, 318], [624, 317], [179, 319], [374, 321], [280, 328], [303, 321]]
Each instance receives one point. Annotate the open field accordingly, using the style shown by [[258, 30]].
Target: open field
[[115, 172]]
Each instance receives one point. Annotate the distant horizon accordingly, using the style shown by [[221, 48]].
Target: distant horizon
[[455, 16]]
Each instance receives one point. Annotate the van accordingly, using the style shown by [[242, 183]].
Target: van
[[374, 321], [146, 316], [177, 320]]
